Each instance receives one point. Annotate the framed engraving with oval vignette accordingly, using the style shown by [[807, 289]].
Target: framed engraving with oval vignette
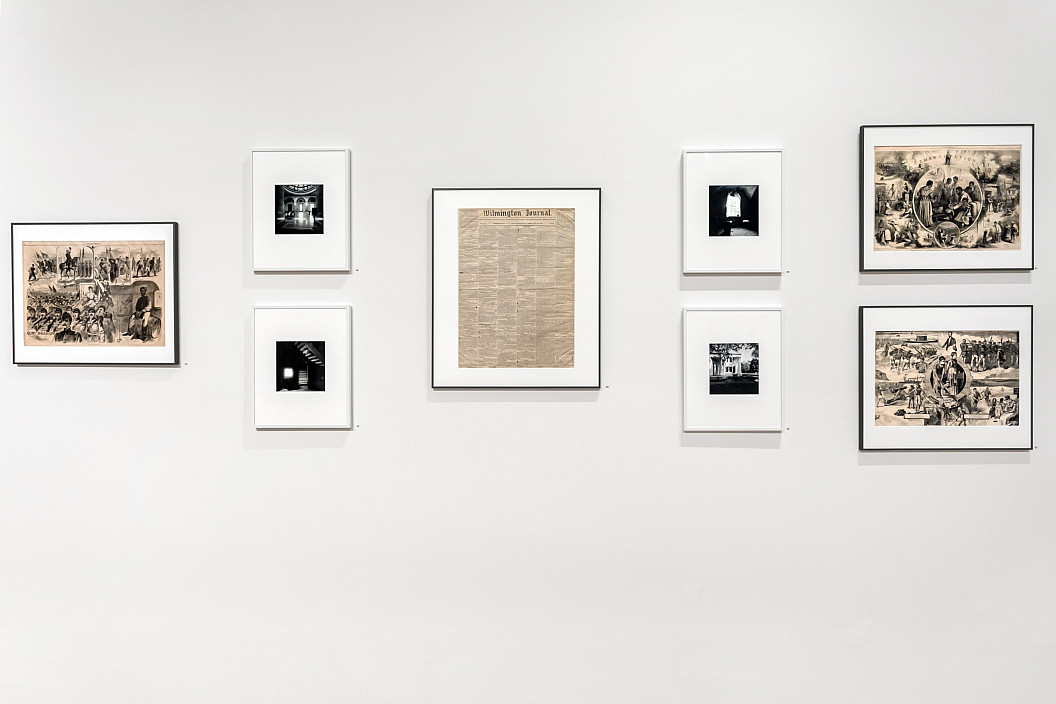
[[942, 197], [946, 377]]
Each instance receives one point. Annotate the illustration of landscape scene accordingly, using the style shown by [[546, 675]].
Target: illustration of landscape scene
[[952, 198], [947, 378], [734, 368], [93, 293]]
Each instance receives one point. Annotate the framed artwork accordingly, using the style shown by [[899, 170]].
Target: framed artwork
[[516, 288], [938, 197], [946, 377], [94, 293], [302, 367], [302, 210], [731, 369], [731, 212]]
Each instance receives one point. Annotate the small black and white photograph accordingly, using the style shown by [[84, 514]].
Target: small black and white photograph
[[299, 209], [734, 211], [300, 366], [734, 368]]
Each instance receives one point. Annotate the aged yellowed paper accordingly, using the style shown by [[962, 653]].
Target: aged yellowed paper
[[94, 293], [930, 198], [516, 287]]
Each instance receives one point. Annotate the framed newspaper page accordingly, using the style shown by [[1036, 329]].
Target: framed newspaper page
[[516, 288], [731, 211], [732, 371], [946, 377], [302, 210], [95, 293], [302, 367], [940, 197]]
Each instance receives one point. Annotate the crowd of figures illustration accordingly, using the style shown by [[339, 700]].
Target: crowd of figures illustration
[[93, 293], [950, 379], [947, 197]]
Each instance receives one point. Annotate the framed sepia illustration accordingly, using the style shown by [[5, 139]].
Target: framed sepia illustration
[[94, 293], [302, 210], [516, 288], [731, 211], [946, 377], [937, 197], [732, 369], [302, 367]]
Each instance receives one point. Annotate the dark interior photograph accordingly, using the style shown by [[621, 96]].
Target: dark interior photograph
[[734, 211], [300, 366]]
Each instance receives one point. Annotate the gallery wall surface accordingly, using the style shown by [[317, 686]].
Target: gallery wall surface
[[517, 546]]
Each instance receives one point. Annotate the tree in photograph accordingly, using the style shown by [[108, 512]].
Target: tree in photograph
[[723, 352]]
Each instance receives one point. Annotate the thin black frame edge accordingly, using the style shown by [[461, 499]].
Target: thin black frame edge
[[176, 294], [1031, 306], [861, 200], [600, 209], [432, 297], [861, 381], [175, 291], [12, 228], [432, 289], [861, 378], [1033, 251]]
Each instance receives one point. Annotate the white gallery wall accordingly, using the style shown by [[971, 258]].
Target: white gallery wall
[[501, 546]]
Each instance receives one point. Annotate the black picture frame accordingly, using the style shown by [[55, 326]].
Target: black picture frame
[[1024, 444], [1024, 262], [165, 355]]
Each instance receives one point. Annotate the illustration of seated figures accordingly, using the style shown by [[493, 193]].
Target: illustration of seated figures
[[90, 293], [947, 198], [144, 321], [946, 201]]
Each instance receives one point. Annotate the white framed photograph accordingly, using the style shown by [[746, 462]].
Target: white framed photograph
[[731, 211], [946, 377], [95, 293], [302, 210], [732, 371], [516, 288], [302, 367], [941, 197]]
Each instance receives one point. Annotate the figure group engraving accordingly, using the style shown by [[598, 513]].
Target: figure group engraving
[[93, 293], [955, 197]]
